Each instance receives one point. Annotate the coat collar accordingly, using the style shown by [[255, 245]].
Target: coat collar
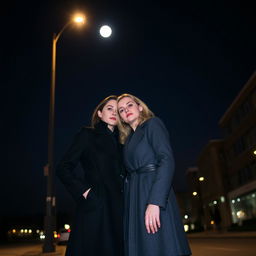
[[102, 127], [135, 136]]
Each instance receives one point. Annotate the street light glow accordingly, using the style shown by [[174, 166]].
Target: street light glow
[[194, 193], [67, 226], [254, 152], [201, 178], [80, 19], [105, 31]]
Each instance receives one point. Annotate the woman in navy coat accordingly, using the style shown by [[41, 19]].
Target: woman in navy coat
[[153, 226], [98, 223]]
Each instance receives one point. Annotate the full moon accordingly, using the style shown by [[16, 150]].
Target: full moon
[[105, 31]]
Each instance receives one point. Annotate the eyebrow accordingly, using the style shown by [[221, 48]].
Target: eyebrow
[[109, 105], [126, 104]]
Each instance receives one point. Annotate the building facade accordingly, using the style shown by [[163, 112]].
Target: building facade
[[239, 147], [213, 186]]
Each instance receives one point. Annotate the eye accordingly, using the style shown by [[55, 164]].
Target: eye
[[130, 105], [109, 108], [121, 110]]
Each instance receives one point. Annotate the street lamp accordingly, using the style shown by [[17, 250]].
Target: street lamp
[[49, 220]]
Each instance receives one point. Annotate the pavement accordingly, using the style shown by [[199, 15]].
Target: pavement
[[29, 250], [36, 250], [220, 234], [60, 251]]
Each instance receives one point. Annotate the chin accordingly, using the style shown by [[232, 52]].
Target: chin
[[113, 123]]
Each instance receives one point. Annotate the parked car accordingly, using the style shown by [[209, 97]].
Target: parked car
[[63, 236]]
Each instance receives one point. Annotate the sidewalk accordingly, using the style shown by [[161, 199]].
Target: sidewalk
[[215, 234], [29, 250], [60, 251]]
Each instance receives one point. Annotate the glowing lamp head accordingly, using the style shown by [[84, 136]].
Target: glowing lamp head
[[79, 19], [105, 31]]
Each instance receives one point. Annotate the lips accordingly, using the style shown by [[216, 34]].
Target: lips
[[113, 118], [129, 114]]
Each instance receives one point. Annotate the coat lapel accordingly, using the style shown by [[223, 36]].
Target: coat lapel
[[132, 141]]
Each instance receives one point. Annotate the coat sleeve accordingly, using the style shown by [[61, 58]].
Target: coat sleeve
[[65, 168], [159, 140]]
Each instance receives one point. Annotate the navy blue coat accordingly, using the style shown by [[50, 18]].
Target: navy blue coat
[[149, 144]]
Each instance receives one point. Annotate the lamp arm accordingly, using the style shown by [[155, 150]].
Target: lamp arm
[[62, 30]]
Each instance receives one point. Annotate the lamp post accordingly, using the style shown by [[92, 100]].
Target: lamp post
[[50, 218]]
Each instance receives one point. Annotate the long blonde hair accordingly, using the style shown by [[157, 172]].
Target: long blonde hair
[[95, 118], [145, 114]]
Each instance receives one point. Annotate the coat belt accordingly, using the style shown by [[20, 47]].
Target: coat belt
[[146, 168]]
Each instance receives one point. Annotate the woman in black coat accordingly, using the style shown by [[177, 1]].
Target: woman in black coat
[[97, 226], [153, 225]]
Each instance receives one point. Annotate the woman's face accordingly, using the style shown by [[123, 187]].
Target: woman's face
[[129, 111], [109, 113]]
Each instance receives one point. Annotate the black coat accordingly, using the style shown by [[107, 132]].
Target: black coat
[[149, 144], [97, 226]]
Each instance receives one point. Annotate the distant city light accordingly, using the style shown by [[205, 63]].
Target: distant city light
[[238, 200], [222, 199], [42, 236], [14, 231], [26, 231], [186, 216], [201, 178], [253, 195], [29, 231], [21, 231], [215, 202], [254, 152], [240, 214], [67, 226], [194, 193], [186, 228], [212, 222], [37, 231], [192, 226], [105, 31], [233, 201]]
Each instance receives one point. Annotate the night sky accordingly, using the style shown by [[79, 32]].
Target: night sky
[[187, 60]]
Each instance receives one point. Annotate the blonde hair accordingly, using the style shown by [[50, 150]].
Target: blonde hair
[[145, 114], [95, 118]]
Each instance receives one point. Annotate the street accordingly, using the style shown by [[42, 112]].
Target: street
[[199, 246], [223, 247], [26, 250]]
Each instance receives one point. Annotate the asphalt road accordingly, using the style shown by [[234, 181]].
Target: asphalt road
[[223, 247], [200, 247]]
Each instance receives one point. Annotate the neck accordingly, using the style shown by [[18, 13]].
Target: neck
[[111, 127], [134, 124]]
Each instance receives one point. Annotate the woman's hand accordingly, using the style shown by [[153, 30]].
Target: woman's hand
[[85, 194], [152, 218]]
